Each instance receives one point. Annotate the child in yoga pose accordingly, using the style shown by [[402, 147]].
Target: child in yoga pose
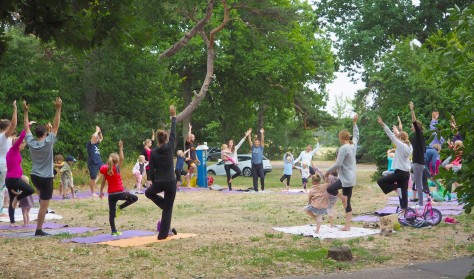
[[115, 189], [318, 201]]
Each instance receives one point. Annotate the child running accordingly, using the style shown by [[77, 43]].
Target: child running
[[66, 177], [288, 160], [318, 201], [139, 171], [115, 190]]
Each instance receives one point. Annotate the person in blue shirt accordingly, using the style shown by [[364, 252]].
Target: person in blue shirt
[[94, 161], [288, 161], [257, 159]]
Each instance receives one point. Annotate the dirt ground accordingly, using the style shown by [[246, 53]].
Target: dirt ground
[[234, 238]]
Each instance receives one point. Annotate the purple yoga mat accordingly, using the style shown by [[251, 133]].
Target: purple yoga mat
[[80, 195], [108, 237], [46, 225], [365, 218]]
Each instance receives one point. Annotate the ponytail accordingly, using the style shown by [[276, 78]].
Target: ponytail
[[113, 160], [404, 138]]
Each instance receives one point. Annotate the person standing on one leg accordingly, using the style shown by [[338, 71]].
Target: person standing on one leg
[[346, 168], [233, 164], [401, 166], [115, 190], [94, 161], [18, 188], [41, 151], [307, 157], [162, 175], [288, 161], [419, 149], [147, 145], [257, 159], [191, 158], [7, 128]]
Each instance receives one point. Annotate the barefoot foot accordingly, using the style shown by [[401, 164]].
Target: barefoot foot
[[346, 229]]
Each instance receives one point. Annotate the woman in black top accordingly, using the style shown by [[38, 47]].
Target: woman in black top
[[191, 159], [162, 175]]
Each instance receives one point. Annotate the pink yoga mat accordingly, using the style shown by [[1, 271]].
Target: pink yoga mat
[[72, 230]]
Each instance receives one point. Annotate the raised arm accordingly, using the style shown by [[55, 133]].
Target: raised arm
[[412, 112], [249, 136], [189, 132], [26, 121], [57, 117], [262, 142], [242, 140], [315, 148], [152, 135], [95, 136], [121, 156], [389, 133], [11, 128], [355, 129], [400, 126]]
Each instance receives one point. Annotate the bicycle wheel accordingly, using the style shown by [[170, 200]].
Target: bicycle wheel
[[433, 217], [410, 214]]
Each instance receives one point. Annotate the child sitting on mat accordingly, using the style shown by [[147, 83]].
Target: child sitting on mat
[[115, 190], [318, 201]]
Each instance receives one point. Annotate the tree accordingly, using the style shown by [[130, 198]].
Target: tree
[[366, 29], [456, 54]]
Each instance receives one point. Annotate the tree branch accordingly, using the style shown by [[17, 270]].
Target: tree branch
[[189, 35], [221, 26]]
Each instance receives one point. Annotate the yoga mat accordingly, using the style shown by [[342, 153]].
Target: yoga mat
[[293, 191], [109, 237], [445, 210], [71, 230], [143, 240], [365, 218], [326, 232], [46, 225]]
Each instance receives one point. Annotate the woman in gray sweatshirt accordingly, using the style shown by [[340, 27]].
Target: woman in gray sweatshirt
[[346, 167], [401, 165]]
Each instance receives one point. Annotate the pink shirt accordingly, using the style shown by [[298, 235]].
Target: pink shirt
[[14, 158]]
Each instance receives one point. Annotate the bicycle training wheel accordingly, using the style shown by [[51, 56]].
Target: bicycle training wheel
[[433, 217]]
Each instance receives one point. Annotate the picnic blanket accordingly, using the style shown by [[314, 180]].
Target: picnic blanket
[[326, 232]]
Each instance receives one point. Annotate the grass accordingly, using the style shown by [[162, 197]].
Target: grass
[[235, 238]]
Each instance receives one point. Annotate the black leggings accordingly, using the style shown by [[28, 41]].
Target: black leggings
[[227, 172], [288, 177], [165, 203], [17, 184], [387, 184], [258, 171], [113, 199], [346, 191]]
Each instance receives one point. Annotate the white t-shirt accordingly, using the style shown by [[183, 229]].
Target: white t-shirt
[[5, 144]]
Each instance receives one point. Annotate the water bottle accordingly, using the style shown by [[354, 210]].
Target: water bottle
[[158, 225]]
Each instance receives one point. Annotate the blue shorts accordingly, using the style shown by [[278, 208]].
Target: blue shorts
[[93, 170]]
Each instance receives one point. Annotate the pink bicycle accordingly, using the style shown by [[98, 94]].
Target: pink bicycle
[[431, 215]]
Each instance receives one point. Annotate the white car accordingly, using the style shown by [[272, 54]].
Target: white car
[[245, 165]]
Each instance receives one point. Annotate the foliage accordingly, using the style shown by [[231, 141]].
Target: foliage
[[366, 29], [456, 54]]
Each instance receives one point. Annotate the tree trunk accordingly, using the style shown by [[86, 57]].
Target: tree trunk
[[187, 97]]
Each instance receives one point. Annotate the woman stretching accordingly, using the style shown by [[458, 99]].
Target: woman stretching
[[401, 165], [232, 164], [163, 177], [346, 167], [115, 189], [14, 181]]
